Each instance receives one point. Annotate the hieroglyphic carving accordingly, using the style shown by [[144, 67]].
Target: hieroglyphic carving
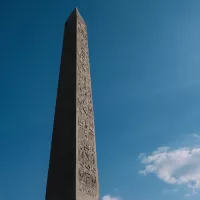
[[87, 190], [87, 172]]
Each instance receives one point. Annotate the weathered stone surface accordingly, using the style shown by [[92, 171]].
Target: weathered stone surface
[[73, 170]]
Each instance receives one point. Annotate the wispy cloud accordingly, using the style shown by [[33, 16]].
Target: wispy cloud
[[169, 191], [109, 197], [175, 190], [174, 166], [197, 136]]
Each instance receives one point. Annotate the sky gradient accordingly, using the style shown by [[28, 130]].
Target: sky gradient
[[145, 69]]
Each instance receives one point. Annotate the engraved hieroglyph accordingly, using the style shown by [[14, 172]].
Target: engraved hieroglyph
[[87, 165]]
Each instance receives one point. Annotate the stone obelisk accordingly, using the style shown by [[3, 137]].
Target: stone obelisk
[[73, 171]]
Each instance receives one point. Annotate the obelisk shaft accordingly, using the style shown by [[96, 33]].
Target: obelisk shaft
[[73, 171]]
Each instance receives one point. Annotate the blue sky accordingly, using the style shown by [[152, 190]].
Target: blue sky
[[145, 68]]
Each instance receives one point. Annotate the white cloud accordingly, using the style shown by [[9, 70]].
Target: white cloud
[[108, 197], [177, 167]]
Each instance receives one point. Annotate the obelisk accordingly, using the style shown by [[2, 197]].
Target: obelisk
[[73, 171]]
